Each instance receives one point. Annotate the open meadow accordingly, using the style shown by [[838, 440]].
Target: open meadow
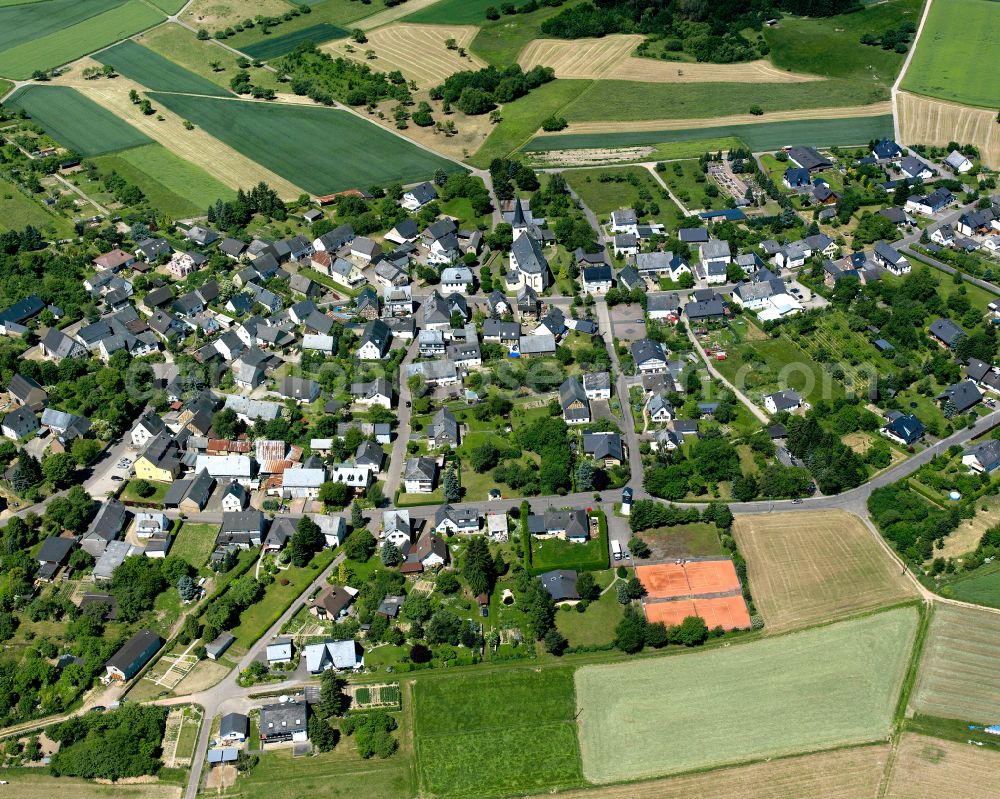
[[323, 150], [851, 773], [959, 39], [815, 566], [958, 676], [18, 210], [803, 691], [486, 735], [156, 72], [36, 783], [75, 121], [603, 197], [417, 51], [40, 36], [929, 768]]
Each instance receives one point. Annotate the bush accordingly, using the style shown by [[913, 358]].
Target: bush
[[143, 488]]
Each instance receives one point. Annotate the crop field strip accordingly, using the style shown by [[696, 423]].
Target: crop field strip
[[958, 676], [610, 58], [75, 121], [45, 35], [957, 54], [814, 566], [322, 150], [156, 72], [197, 146], [418, 51], [274, 46], [851, 773], [486, 735], [936, 122], [804, 691], [929, 768], [759, 137]]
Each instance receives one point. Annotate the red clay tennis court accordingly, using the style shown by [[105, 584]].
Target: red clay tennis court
[[729, 612], [692, 578]]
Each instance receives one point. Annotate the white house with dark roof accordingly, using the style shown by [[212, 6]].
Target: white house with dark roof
[[649, 356], [786, 400], [419, 196]]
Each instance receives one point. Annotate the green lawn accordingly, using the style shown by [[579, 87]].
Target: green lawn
[[255, 620], [488, 735], [129, 494], [340, 774], [194, 543], [75, 121], [183, 47], [815, 689], [461, 208], [958, 39], [45, 35], [155, 72], [831, 46], [365, 154], [595, 626], [274, 46], [758, 137], [523, 118], [174, 186], [688, 188], [604, 197], [554, 553], [436, 497], [17, 210]]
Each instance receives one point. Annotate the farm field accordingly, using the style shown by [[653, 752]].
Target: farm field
[[959, 37], [814, 566], [936, 122], [610, 58], [927, 768], [175, 186], [758, 137], [628, 101], [982, 586], [274, 46], [182, 47], [365, 154], [958, 677], [339, 774], [843, 774], [418, 51], [452, 12], [17, 211], [837, 685], [523, 117], [152, 70], [62, 35], [34, 783], [341, 14], [75, 121], [485, 735]]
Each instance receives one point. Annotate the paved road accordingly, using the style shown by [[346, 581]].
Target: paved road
[[397, 457]]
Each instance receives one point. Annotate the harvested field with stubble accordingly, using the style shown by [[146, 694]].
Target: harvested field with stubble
[[958, 676], [929, 768], [936, 122], [844, 774], [610, 57], [37, 784], [418, 51], [814, 566], [796, 693]]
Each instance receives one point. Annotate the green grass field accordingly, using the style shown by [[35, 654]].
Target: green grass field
[[364, 155], [155, 72], [169, 6], [453, 12], [689, 189], [625, 101], [523, 117], [194, 543], [337, 13], [340, 774], [16, 211], [274, 46], [831, 46], [959, 38], [763, 136], [45, 35], [488, 735], [181, 46], [75, 121], [603, 198], [800, 692], [982, 586], [174, 186], [595, 626], [958, 678], [499, 42]]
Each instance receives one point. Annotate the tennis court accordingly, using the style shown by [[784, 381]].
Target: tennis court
[[728, 612], [688, 578]]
